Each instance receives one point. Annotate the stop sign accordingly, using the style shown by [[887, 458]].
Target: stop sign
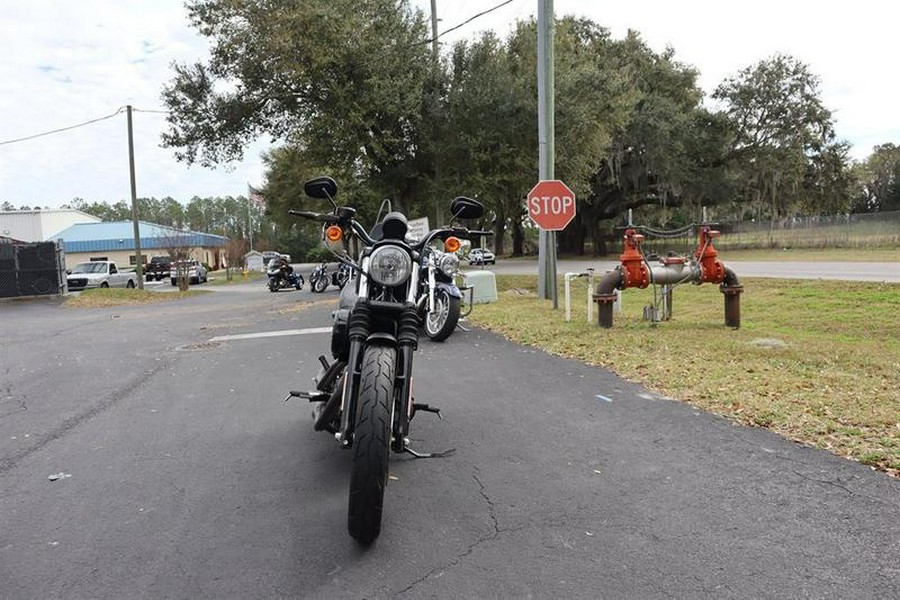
[[551, 205]]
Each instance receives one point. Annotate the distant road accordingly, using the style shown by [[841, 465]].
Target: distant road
[[847, 271]]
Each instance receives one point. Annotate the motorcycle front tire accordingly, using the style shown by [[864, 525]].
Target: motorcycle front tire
[[371, 443], [442, 323], [273, 286], [320, 284]]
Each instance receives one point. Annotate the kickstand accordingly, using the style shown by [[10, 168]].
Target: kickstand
[[409, 450]]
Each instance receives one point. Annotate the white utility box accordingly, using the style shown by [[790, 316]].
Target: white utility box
[[484, 286]]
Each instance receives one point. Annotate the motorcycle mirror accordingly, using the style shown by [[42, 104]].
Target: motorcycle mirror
[[321, 187], [466, 208]]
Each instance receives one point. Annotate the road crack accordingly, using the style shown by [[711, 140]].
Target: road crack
[[9, 404], [844, 488], [70, 424], [488, 537]]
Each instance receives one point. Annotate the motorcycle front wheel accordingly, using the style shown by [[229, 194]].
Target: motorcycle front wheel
[[441, 322], [371, 443], [320, 284], [273, 286]]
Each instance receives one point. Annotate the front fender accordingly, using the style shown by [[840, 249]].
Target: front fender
[[381, 339], [450, 288]]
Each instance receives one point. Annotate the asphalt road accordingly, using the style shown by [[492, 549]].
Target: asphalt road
[[182, 474]]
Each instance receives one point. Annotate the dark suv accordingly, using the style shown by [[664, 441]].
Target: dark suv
[[158, 268]]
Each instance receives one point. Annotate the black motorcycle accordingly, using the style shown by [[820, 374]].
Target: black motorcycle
[[364, 397], [279, 280], [320, 278]]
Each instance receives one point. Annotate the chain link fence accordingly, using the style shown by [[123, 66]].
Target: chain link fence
[[870, 230], [36, 269]]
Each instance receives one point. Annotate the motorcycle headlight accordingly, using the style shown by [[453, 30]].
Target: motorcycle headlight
[[390, 265], [449, 264]]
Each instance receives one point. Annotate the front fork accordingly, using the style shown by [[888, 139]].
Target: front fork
[[407, 342], [431, 286], [358, 331]]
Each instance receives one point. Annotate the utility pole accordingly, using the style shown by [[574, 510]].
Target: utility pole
[[138, 259], [546, 145], [435, 104]]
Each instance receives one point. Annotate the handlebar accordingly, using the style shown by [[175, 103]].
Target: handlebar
[[322, 217], [333, 219], [358, 229]]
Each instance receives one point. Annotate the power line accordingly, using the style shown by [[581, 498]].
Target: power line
[[146, 110], [61, 129], [377, 58], [469, 20], [165, 112]]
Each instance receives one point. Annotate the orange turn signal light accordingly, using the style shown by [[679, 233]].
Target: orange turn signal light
[[334, 233], [451, 244]]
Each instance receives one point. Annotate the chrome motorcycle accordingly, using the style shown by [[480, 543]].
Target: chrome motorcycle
[[321, 278], [364, 397]]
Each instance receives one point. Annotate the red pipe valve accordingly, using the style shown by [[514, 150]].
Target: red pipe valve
[[635, 269]]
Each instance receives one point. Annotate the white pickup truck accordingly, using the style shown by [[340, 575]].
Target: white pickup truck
[[99, 274]]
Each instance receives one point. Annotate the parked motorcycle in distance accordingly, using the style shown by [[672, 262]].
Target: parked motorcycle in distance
[[320, 278], [440, 299], [364, 397], [279, 280]]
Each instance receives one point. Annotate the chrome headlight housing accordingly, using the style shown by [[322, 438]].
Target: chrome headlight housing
[[449, 264], [390, 265]]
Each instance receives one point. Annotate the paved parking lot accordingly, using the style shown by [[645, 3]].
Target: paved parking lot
[[180, 472]]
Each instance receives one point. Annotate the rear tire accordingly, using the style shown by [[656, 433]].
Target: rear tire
[[441, 323], [371, 443], [130, 285]]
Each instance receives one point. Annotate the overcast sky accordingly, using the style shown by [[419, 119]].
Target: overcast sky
[[65, 62]]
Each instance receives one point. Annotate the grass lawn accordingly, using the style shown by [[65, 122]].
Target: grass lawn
[[102, 297], [816, 361]]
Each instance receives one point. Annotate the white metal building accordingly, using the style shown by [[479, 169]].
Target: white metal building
[[40, 225]]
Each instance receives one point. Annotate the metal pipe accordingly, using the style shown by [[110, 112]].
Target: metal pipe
[[674, 274], [605, 295], [667, 291], [732, 289], [568, 278], [590, 293]]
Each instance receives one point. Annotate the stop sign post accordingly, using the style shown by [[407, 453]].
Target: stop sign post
[[551, 205]]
